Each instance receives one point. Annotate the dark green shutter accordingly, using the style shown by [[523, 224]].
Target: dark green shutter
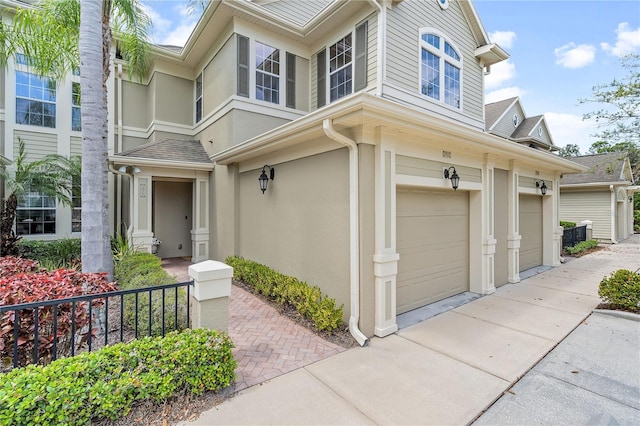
[[321, 83], [243, 66], [291, 80], [360, 79]]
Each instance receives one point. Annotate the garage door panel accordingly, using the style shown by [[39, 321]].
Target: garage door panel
[[531, 232], [432, 240]]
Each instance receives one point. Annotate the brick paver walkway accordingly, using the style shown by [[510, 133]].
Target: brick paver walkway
[[267, 343]]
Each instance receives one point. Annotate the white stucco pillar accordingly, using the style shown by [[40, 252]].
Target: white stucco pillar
[[210, 297], [513, 236], [488, 227], [142, 211], [200, 228]]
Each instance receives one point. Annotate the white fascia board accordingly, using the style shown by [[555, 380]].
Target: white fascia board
[[490, 54], [593, 184], [138, 161]]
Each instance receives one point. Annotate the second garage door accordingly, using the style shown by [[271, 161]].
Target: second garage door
[[531, 231], [432, 232]]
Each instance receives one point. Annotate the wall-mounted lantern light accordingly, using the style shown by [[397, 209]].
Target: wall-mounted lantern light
[[455, 179], [543, 187], [129, 169], [264, 179], [630, 199]]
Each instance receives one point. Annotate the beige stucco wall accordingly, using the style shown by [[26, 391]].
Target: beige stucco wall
[[136, 110], [223, 187], [174, 99], [172, 217], [219, 77], [2, 89], [501, 226], [300, 226], [366, 192]]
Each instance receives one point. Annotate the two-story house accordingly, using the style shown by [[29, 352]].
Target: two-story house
[[341, 142]]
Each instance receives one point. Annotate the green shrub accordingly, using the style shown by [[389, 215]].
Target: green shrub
[[308, 300], [106, 383], [64, 253], [566, 224], [581, 246], [139, 270], [621, 288], [636, 220]]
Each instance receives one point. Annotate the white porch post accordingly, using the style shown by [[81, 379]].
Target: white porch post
[[513, 238], [488, 234], [551, 211], [200, 229], [142, 208]]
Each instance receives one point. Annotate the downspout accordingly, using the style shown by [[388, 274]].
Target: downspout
[[354, 234], [382, 24]]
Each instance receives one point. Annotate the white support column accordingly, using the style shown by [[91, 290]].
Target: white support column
[[200, 227], [488, 234], [513, 237], [210, 297], [385, 258], [552, 255], [142, 208]]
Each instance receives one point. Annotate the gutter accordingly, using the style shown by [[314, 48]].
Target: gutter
[[354, 225]]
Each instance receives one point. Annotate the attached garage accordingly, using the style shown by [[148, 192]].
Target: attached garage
[[432, 239], [530, 231]]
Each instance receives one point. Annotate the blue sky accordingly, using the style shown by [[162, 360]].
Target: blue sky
[[559, 51]]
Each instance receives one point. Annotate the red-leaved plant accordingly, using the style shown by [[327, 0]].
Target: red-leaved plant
[[31, 287]]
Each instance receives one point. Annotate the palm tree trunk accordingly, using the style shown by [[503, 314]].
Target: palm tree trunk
[[94, 54]]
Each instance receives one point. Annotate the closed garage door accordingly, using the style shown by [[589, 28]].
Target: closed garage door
[[432, 232], [531, 231]]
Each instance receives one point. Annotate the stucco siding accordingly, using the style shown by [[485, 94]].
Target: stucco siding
[[412, 166], [300, 226], [174, 99], [219, 78], [403, 55], [136, 110], [2, 89], [296, 11], [37, 145], [588, 205]]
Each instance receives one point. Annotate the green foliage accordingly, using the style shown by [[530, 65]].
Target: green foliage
[[581, 246], [307, 300], [621, 288], [566, 224], [106, 383], [636, 220], [140, 270], [120, 247], [64, 253], [569, 150]]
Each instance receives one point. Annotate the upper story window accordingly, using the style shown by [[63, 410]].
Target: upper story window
[[76, 203], [346, 63], [267, 73], [199, 98], [35, 100], [76, 115], [440, 69]]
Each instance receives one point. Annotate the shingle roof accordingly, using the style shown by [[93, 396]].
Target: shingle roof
[[602, 168], [176, 49], [525, 128], [493, 111], [190, 151]]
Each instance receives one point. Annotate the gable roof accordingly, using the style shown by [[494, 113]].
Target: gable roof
[[493, 112], [170, 150], [603, 168]]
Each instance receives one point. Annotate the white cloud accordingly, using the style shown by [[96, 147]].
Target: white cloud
[[500, 73], [503, 38], [171, 25], [502, 94], [180, 35], [570, 129], [159, 24], [627, 41], [572, 56]]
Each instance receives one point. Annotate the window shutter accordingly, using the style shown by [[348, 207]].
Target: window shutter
[[322, 78], [291, 80], [243, 66], [360, 79]]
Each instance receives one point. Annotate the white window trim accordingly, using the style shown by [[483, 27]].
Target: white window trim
[[327, 88], [75, 79], [195, 98], [253, 69], [27, 69], [443, 57]]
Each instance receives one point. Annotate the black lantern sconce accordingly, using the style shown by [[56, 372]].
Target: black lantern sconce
[[264, 179], [455, 179], [630, 199], [543, 187]]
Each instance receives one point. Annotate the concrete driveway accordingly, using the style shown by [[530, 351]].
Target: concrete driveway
[[452, 367]]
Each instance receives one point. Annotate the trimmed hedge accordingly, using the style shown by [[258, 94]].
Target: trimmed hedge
[[581, 246], [306, 299], [621, 288], [567, 224], [106, 383], [64, 253], [139, 270]]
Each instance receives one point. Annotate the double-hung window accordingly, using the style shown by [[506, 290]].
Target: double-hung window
[[199, 98], [76, 203], [340, 69], [36, 214], [267, 73], [35, 100], [440, 69], [76, 112]]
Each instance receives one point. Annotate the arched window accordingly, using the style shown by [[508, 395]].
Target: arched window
[[440, 69]]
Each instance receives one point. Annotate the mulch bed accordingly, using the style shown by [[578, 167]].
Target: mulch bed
[[584, 253], [614, 307]]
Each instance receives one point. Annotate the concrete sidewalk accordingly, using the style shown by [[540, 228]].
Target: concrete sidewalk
[[447, 369]]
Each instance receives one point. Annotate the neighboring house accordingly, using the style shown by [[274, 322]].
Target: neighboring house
[[507, 119], [602, 194], [358, 108]]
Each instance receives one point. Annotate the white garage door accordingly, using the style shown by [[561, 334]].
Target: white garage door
[[432, 232], [531, 231]]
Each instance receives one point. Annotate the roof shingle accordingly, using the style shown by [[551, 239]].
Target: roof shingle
[[603, 168], [171, 150]]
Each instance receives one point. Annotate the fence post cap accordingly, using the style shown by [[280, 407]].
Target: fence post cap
[[588, 223], [210, 270]]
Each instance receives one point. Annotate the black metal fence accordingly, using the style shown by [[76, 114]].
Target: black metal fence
[[96, 320], [572, 236]]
